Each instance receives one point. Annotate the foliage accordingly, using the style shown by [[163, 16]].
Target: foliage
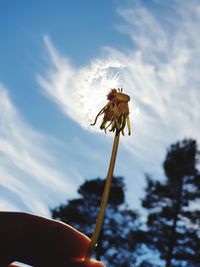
[[118, 238], [173, 210], [173, 215]]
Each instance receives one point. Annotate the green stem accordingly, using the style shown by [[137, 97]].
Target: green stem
[[104, 200]]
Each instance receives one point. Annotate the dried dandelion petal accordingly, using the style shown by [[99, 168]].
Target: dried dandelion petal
[[115, 112]]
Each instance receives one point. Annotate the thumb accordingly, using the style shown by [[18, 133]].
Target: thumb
[[94, 263], [91, 263]]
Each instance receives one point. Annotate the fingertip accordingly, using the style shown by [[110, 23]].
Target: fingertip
[[94, 263], [73, 240], [89, 263]]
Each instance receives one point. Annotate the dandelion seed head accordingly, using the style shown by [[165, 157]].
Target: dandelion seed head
[[97, 80]]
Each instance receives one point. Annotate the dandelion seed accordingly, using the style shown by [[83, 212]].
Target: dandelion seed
[[96, 80]]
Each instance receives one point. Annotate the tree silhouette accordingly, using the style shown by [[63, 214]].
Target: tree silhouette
[[173, 207], [117, 240]]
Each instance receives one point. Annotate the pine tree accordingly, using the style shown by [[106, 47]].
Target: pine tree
[[173, 207], [117, 241]]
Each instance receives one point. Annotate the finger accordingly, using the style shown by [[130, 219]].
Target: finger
[[41, 241], [52, 241], [78, 263]]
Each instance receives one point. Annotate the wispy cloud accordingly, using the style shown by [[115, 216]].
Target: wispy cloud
[[163, 73], [160, 72], [30, 179], [79, 92]]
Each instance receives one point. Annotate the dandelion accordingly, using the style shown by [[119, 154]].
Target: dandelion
[[116, 112], [115, 115]]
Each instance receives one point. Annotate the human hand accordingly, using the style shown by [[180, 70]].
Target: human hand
[[41, 242]]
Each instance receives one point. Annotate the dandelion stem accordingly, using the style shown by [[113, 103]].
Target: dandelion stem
[[104, 200]]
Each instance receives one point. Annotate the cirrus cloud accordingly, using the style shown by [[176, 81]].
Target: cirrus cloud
[[30, 178], [160, 72]]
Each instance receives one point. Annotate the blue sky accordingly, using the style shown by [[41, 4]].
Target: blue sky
[[48, 50]]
